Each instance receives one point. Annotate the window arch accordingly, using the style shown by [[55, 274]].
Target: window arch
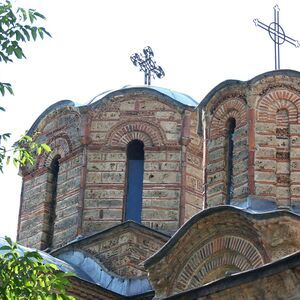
[[52, 192], [229, 145], [135, 174]]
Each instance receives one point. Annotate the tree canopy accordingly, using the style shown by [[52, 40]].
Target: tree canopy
[[17, 26], [23, 275], [26, 276]]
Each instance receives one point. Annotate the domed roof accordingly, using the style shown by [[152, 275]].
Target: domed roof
[[176, 97]]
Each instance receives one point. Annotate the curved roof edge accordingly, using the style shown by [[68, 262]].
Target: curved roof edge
[[97, 274], [173, 97], [233, 82], [57, 105], [237, 279], [207, 212]]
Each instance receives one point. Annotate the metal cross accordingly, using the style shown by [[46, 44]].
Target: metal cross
[[147, 65], [277, 35]]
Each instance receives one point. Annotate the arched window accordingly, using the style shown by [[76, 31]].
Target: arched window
[[283, 193], [52, 190], [135, 172], [229, 145]]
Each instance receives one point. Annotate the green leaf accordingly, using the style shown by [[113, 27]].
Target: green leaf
[[33, 33], [46, 147]]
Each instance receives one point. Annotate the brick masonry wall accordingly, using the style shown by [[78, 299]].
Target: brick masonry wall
[[223, 241], [61, 130], [193, 173], [277, 146], [222, 110], [283, 285], [158, 125]]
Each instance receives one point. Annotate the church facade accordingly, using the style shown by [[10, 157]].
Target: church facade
[[148, 194]]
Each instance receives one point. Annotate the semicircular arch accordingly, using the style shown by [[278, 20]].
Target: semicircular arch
[[123, 133], [227, 252], [60, 146], [231, 108], [278, 99]]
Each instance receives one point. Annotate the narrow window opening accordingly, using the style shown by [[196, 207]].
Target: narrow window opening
[[229, 145], [135, 173], [54, 170]]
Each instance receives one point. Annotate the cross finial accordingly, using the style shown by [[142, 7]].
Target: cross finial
[[147, 64], [277, 35]]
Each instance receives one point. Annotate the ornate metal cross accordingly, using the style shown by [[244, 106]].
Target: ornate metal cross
[[277, 35], [147, 64]]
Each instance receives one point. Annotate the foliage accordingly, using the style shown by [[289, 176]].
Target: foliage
[[16, 27], [25, 276]]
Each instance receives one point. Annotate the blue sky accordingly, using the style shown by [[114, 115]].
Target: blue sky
[[198, 44]]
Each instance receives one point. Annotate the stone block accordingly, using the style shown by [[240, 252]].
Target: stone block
[[265, 152], [113, 177], [283, 167], [294, 152], [167, 115], [294, 128], [161, 177], [211, 190], [216, 167], [283, 192], [265, 164], [216, 177], [159, 214], [173, 156], [169, 126], [98, 214], [266, 190], [98, 136], [152, 166], [103, 126], [65, 223], [216, 142], [67, 201], [153, 105], [195, 200], [151, 203], [269, 140], [163, 193], [172, 136], [67, 186], [106, 166], [170, 166], [155, 156], [128, 105], [269, 176], [103, 203], [103, 193], [266, 128]]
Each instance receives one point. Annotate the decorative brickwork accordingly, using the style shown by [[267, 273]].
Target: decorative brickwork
[[61, 130], [221, 255], [277, 147], [221, 241], [217, 190], [127, 131]]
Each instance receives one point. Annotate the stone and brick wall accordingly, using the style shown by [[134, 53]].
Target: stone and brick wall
[[113, 125], [61, 130], [219, 241], [219, 112], [90, 144], [277, 145], [192, 179]]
